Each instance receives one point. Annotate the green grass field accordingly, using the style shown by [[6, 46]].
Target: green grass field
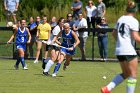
[[80, 77]]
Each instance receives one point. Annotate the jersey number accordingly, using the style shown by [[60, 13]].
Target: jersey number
[[121, 29], [22, 39]]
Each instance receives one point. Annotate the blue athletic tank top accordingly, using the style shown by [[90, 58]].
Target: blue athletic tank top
[[21, 36], [68, 39]]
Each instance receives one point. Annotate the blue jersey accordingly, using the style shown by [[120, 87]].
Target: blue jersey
[[68, 41], [21, 36]]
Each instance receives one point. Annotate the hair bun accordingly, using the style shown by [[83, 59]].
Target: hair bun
[[131, 4], [131, 7]]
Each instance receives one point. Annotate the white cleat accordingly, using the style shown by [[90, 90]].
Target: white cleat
[[25, 68], [54, 75], [36, 61]]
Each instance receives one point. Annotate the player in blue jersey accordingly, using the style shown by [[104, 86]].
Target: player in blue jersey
[[23, 36], [70, 41], [53, 50]]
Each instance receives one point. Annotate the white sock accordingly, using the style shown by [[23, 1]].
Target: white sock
[[47, 59], [117, 80], [48, 65], [131, 84]]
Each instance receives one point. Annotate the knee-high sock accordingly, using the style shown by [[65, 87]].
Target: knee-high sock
[[18, 61], [48, 65], [117, 80], [47, 59], [56, 68], [22, 61], [131, 84]]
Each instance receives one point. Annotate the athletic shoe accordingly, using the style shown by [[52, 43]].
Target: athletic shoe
[[65, 67], [16, 67], [46, 73], [25, 68], [105, 90], [105, 60], [54, 75], [43, 64], [101, 59], [36, 61]]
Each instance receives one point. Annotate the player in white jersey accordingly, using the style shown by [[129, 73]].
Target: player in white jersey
[[126, 34], [54, 51]]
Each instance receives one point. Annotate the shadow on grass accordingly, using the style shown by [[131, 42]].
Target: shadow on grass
[[59, 76]]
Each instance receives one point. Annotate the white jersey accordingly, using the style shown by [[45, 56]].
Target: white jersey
[[81, 24], [125, 43], [91, 12], [55, 32]]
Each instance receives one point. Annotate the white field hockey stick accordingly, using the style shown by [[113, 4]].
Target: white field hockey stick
[[48, 43]]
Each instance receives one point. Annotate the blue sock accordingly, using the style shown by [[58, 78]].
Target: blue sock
[[22, 61], [18, 61], [56, 68], [116, 81]]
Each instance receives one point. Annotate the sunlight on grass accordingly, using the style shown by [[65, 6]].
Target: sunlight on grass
[[80, 77]]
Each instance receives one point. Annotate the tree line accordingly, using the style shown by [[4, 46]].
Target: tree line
[[56, 8]]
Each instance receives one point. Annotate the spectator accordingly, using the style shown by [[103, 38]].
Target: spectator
[[21, 34], [76, 8], [43, 33], [33, 30], [101, 10], [103, 40], [18, 23], [70, 20], [38, 20], [90, 12], [79, 26], [11, 7], [53, 22]]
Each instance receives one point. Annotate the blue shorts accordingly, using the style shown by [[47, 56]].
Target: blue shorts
[[67, 52], [23, 46]]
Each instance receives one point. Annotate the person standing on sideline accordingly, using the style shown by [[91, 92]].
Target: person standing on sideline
[[53, 22], [38, 21], [90, 12], [11, 7], [70, 41], [76, 7], [82, 33], [43, 33], [101, 11], [21, 34], [125, 34], [103, 40], [33, 30], [70, 20]]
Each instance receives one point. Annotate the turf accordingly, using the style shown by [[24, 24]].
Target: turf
[[80, 77]]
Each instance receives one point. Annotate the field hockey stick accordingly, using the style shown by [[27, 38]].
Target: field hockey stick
[[59, 46], [54, 44], [3, 43]]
